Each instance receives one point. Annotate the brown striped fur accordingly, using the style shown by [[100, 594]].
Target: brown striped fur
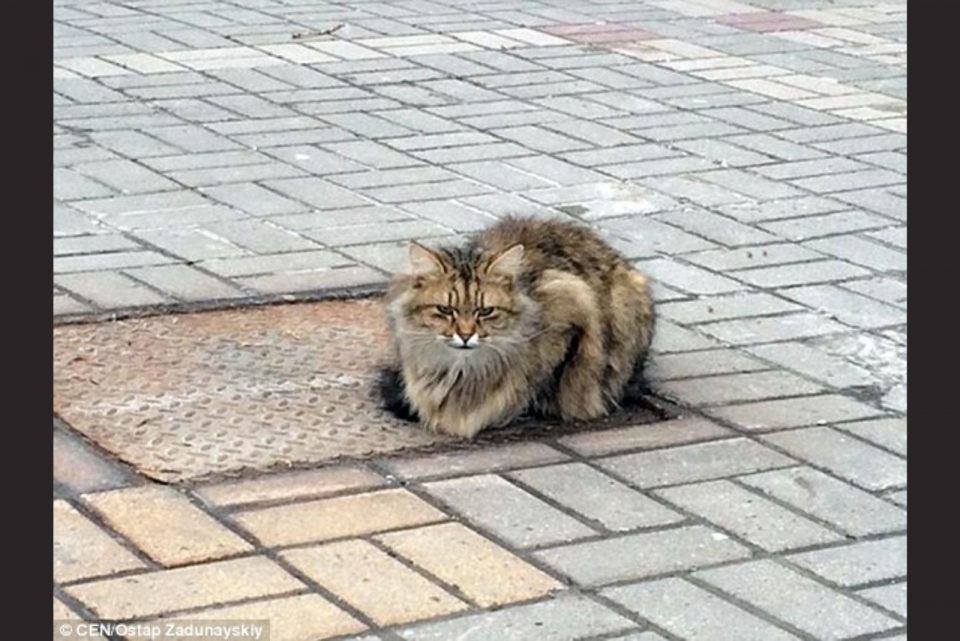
[[529, 315]]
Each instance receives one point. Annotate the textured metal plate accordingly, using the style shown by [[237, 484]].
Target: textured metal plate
[[216, 393]]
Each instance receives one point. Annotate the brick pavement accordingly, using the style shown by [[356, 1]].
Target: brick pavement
[[749, 155]]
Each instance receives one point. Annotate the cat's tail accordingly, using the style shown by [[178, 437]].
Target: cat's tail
[[390, 388]]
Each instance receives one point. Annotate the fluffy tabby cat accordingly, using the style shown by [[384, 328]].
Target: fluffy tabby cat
[[528, 316]]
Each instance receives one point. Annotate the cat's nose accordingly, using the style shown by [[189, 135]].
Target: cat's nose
[[465, 336]]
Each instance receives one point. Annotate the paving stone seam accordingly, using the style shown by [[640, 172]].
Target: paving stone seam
[[259, 549], [91, 514], [848, 538], [838, 425], [785, 563]]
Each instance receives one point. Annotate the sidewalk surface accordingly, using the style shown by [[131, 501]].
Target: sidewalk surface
[[751, 156]]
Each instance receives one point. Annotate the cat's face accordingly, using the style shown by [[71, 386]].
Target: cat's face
[[465, 306]]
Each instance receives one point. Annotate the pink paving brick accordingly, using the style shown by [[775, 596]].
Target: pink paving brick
[[764, 21]]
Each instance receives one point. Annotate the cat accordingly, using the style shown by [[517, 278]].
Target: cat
[[529, 316]]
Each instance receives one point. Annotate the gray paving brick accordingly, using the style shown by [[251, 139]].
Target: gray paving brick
[[649, 237], [133, 144], [830, 132], [690, 612], [896, 236], [540, 139], [70, 222], [717, 228], [488, 151], [192, 138], [846, 306], [750, 184], [108, 260], [620, 154], [235, 174], [70, 185], [64, 305], [371, 154], [528, 521], [665, 367], [864, 144], [851, 510], [881, 201], [316, 280], [818, 271], [592, 132], [109, 290], [499, 175], [658, 167], [775, 147], [635, 556], [670, 337], [690, 188], [390, 177], [861, 464], [890, 433], [892, 597], [850, 180], [92, 244], [796, 114], [370, 215], [317, 193], [718, 390], [379, 233], [596, 496], [753, 211], [143, 203], [316, 160], [858, 563], [681, 430], [797, 600], [794, 412], [687, 277], [810, 227], [275, 263], [500, 204], [557, 171], [565, 618], [691, 463], [421, 121], [815, 364], [722, 152], [770, 329], [456, 188], [185, 283], [260, 237], [191, 244], [254, 199], [452, 215], [747, 515], [251, 106], [862, 252]]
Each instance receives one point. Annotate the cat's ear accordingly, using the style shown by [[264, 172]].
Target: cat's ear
[[507, 262], [424, 260]]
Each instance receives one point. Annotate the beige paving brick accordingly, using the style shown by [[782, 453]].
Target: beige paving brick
[[368, 579], [62, 613], [194, 586], [81, 549], [305, 617], [166, 525], [338, 517], [485, 572], [289, 485], [681, 430]]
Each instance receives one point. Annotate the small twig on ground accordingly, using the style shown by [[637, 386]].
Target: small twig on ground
[[304, 35]]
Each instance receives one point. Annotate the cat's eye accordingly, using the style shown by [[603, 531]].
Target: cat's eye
[[446, 311], [485, 311]]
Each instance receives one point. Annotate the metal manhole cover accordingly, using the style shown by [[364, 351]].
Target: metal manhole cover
[[215, 393]]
